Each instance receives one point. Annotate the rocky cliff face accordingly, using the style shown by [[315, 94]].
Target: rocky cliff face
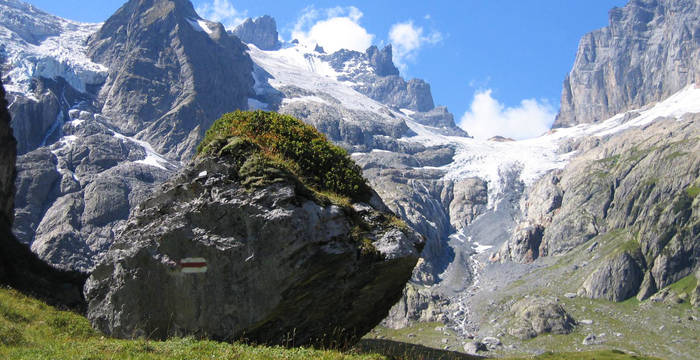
[[283, 266], [171, 73], [74, 193], [8, 155], [261, 32], [650, 50], [19, 267], [382, 82], [382, 60], [638, 187]]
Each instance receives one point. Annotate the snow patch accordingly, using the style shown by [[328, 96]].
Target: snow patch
[[407, 112], [301, 66], [200, 25], [254, 104], [479, 249], [152, 157]]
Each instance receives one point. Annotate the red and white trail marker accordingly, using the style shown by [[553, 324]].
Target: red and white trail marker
[[195, 265]]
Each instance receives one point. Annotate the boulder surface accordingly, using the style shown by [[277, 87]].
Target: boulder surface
[[537, 316]]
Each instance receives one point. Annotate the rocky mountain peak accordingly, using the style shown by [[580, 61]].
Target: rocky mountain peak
[[649, 51], [381, 60], [164, 61], [144, 21], [261, 32]]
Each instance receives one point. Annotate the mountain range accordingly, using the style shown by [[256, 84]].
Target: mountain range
[[601, 211]]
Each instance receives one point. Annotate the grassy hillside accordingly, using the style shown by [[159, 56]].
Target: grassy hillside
[[30, 329]]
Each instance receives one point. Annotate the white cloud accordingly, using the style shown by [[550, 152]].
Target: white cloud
[[222, 11], [333, 29], [487, 118], [407, 39]]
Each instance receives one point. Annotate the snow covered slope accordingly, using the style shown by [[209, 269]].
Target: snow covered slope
[[36, 44], [535, 157], [310, 70]]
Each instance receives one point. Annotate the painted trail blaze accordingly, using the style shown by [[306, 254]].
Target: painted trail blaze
[[193, 265]]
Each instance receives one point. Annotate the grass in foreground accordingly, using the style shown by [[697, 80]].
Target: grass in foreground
[[30, 329]]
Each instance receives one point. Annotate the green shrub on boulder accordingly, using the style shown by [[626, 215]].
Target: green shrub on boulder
[[287, 142]]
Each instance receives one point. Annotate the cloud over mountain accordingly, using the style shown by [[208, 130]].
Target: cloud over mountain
[[333, 29], [488, 117]]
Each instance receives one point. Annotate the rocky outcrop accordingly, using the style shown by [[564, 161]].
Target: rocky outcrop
[[649, 51], [441, 120], [382, 61], [37, 120], [617, 279], [171, 73], [8, 154], [261, 32], [539, 205], [283, 265], [353, 129], [536, 316], [380, 82], [638, 188], [417, 305], [414, 94]]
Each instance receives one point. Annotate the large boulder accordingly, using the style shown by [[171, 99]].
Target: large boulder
[[535, 316], [617, 279], [275, 261]]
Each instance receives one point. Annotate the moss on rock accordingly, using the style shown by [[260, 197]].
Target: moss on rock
[[259, 141]]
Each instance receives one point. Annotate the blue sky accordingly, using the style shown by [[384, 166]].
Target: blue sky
[[498, 65]]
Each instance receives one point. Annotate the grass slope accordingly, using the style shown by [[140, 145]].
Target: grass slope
[[30, 329]]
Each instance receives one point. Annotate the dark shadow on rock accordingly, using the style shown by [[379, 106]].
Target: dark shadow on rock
[[22, 270]]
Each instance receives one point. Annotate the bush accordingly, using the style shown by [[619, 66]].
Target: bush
[[302, 149]]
